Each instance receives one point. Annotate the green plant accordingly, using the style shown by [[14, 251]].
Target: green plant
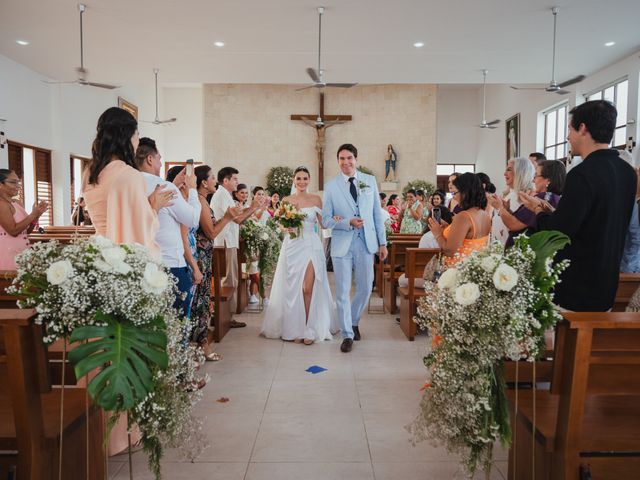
[[280, 179], [366, 170], [423, 185], [128, 351]]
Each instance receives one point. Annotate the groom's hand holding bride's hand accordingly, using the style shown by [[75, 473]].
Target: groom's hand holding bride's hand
[[356, 222]]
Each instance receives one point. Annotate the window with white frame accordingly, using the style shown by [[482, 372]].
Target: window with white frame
[[617, 93], [555, 132]]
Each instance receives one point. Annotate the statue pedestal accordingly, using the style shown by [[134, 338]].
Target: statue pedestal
[[389, 187]]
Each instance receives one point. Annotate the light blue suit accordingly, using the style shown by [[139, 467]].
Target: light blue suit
[[352, 249]]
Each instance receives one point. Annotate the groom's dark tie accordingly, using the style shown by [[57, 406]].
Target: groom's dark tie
[[353, 189]]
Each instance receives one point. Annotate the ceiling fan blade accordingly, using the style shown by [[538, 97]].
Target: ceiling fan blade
[[304, 88], [571, 81], [313, 74], [493, 122], [341, 85], [528, 88], [100, 85], [562, 92], [59, 83], [170, 120], [492, 127]]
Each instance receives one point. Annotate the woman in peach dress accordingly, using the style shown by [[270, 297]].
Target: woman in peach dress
[[15, 223], [115, 191]]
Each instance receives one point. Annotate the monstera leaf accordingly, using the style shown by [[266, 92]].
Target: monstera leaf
[[124, 354], [545, 244]]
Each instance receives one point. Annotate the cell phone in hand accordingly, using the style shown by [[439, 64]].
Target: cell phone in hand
[[437, 214], [189, 167]]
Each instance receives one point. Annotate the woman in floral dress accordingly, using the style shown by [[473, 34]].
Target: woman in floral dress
[[411, 214]]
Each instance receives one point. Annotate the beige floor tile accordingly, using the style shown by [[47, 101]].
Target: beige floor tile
[[248, 397], [313, 396], [310, 471], [432, 471], [389, 368], [243, 369], [190, 471], [294, 368], [395, 396], [311, 437], [113, 468], [390, 442]]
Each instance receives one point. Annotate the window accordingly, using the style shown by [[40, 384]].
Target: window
[[555, 133], [77, 165], [618, 94], [33, 166], [444, 170]]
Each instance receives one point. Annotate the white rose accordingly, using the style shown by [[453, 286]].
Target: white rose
[[448, 279], [113, 255], [102, 242], [59, 272], [102, 265], [264, 236], [505, 277], [467, 293], [154, 279], [122, 268], [490, 262]]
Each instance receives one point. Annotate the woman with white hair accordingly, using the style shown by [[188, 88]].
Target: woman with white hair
[[516, 217]]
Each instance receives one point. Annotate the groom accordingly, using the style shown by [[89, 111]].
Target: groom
[[353, 196]]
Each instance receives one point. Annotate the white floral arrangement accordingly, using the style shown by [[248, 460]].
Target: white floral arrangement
[[262, 242], [280, 179], [494, 305], [116, 302]]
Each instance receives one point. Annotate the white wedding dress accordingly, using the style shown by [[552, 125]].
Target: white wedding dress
[[285, 315]]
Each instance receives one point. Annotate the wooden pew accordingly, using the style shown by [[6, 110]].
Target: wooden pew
[[382, 267], [242, 293], [416, 260], [590, 419], [69, 229], [30, 409], [48, 237], [221, 296], [396, 264], [628, 283]]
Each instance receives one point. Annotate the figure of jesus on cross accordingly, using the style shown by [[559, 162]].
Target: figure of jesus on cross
[[320, 123]]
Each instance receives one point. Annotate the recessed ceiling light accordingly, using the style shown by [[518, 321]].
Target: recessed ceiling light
[[418, 44], [219, 44], [22, 42], [609, 44]]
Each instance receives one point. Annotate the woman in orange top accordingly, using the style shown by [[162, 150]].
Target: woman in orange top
[[469, 230], [115, 191]]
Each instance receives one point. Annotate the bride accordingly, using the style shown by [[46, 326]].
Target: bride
[[301, 307]]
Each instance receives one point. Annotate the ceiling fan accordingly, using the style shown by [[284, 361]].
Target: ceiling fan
[[484, 123], [157, 121], [554, 86], [316, 75], [82, 72]]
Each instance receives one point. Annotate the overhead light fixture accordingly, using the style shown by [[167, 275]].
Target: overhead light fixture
[[22, 42], [418, 44], [219, 44], [609, 44]]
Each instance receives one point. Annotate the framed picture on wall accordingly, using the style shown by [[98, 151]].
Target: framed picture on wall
[[128, 106], [512, 126]]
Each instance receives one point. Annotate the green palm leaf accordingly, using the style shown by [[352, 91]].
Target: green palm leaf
[[124, 354], [545, 244]]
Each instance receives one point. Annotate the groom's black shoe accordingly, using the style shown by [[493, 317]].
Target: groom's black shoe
[[356, 333], [346, 346]]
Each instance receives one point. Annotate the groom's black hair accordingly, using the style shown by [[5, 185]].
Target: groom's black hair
[[349, 147]]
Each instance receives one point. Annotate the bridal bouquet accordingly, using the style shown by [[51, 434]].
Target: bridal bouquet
[[494, 305], [288, 216], [116, 302]]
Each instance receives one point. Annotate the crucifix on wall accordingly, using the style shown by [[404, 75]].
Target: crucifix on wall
[[320, 123]]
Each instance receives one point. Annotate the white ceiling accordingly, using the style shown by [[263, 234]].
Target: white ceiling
[[273, 41]]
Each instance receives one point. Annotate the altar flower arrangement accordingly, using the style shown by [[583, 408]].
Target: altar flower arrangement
[[262, 242], [288, 216], [116, 302], [494, 305]]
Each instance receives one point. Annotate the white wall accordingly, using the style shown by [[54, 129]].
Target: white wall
[[457, 116], [183, 139], [503, 102], [61, 118]]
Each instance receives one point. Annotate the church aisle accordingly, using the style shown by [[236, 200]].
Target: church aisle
[[282, 422]]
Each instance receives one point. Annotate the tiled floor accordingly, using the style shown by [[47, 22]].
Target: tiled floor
[[284, 423]]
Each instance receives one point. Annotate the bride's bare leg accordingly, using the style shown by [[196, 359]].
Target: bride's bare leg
[[307, 288]]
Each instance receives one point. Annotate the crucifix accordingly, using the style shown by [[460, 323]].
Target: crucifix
[[320, 123]]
